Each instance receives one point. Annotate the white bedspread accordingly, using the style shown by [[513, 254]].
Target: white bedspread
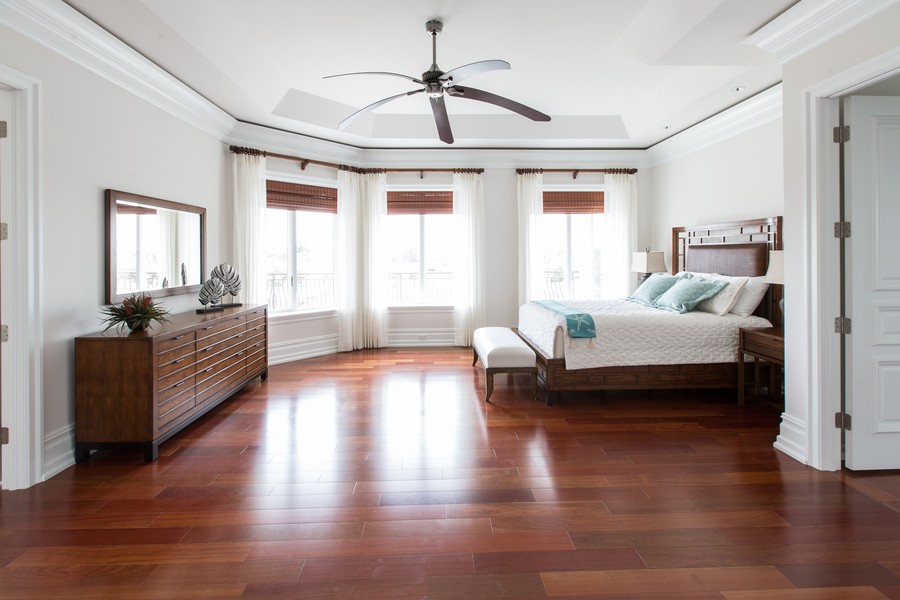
[[631, 334]]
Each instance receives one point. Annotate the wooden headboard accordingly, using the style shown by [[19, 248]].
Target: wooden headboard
[[739, 248]]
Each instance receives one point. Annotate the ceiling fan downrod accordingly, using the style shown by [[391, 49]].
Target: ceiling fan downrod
[[433, 86]]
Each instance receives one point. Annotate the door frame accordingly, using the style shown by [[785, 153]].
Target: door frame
[[23, 458], [820, 212]]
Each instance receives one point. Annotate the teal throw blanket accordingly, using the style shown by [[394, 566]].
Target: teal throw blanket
[[578, 324]]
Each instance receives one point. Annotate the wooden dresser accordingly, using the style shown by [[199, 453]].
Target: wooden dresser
[[140, 388]]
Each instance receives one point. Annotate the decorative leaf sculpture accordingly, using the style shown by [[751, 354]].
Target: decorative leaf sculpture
[[229, 277], [212, 291]]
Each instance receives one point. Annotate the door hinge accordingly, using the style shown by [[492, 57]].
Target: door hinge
[[842, 229], [842, 421], [841, 134], [4, 436], [3, 129], [842, 325], [4, 333]]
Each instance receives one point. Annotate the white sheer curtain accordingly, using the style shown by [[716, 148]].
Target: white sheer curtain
[[249, 185], [620, 234], [362, 278], [468, 213], [531, 212]]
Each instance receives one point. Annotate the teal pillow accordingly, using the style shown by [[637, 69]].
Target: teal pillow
[[654, 287], [688, 293]]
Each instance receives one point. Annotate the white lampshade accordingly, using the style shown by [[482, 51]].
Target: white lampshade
[[648, 262], [775, 273]]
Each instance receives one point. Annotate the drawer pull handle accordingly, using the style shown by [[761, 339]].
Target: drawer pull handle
[[209, 327], [178, 384], [179, 360], [208, 370], [178, 337]]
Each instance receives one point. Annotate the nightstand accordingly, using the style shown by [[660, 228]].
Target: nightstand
[[766, 344]]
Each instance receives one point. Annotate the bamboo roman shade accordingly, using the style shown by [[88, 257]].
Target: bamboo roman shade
[[573, 202], [421, 202], [298, 196]]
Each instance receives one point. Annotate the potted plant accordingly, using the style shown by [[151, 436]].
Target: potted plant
[[136, 312]]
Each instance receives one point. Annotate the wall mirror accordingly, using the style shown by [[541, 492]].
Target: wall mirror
[[154, 246]]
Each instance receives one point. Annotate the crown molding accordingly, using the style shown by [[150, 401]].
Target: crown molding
[[810, 23], [57, 26], [753, 112]]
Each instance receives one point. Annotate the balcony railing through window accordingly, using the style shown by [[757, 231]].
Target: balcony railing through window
[[313, 290]]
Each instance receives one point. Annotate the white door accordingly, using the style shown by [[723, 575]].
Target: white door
[[5, 193], [872, 170]]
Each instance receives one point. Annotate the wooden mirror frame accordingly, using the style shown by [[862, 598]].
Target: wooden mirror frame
[[112, 198]]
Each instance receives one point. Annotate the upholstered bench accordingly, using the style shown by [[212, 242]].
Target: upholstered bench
[[502, 351]]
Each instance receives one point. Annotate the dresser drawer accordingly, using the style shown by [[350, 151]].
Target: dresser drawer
[[765, 347], [220, 380], [217, 328], [176, 406], [173, 361], [174, 386], [174, 340]]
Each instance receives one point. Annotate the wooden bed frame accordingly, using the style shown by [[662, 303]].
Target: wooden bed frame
[[739, 248]]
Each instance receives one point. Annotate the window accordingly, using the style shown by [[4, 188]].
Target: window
[[572, 226], [419, 236], [299, 245]]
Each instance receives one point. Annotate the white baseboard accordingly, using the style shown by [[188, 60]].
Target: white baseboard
[[59, 451], [793, 438], [282, 352], [420, 337]]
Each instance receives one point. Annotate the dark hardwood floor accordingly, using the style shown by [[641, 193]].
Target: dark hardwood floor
[[382, 474]]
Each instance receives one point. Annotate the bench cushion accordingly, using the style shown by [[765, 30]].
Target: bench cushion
[[501, 348]]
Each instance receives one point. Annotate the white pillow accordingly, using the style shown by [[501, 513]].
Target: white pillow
[[723, 302], [750, 297]]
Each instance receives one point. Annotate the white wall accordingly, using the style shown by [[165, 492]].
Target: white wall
[[94, 136], [735, 179]]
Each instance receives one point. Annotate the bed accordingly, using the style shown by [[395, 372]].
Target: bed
[[739, 248]]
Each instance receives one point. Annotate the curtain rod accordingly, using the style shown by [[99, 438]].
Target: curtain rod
[[575, 172], [305, 162]]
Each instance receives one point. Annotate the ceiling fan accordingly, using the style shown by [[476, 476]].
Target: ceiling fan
[[435, 83]]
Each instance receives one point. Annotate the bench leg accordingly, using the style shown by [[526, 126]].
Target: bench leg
[[474, 356], [489, 384]]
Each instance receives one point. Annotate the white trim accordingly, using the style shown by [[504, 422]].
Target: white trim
[[23, 457], [820, 211], [753, 112], [59, 451], [811, 23], [64, 30], [793, 438], [59, 27], [421, 337], [283, 352], [287, 318]]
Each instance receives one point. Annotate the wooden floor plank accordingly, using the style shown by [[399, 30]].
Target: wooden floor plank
[[383, 474]]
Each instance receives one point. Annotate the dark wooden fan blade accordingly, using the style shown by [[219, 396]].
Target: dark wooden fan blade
[[458, 91], [459, 73], [377, 73], [441, 119], [349, 120]]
